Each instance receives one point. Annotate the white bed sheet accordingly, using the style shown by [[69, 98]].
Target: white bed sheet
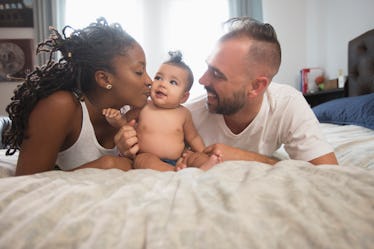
[[236, 204], [354, 145]]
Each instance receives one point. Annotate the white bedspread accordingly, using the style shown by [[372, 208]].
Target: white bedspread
[[234, 205], [354, 145]]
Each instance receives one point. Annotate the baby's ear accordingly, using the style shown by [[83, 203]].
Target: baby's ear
[[185, 96]]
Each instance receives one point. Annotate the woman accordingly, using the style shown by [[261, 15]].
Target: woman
[[57, 112]]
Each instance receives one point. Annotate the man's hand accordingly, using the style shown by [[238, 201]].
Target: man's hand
[[126, 140], [226, 152]]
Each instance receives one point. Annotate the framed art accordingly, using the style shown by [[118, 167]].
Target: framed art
[[16, 58]]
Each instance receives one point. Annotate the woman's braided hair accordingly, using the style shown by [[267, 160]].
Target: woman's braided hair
[[81, 54]]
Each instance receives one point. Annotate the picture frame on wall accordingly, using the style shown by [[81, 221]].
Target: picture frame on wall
[[16, 13], [16, 58]]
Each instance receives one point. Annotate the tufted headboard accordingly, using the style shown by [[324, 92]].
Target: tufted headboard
[[360, 65]]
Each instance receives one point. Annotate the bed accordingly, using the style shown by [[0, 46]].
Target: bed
[[236, 204]]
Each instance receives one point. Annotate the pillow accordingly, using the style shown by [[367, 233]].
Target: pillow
[[357, 110], [4, 122]]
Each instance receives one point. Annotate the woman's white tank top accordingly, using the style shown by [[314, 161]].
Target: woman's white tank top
[[85, 149]]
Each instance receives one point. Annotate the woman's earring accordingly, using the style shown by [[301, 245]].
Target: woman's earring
[[109, 86]]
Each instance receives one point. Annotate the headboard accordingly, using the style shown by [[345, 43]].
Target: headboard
[[360, 65]]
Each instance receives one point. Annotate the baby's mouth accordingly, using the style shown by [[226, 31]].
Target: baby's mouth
[[160, 94]]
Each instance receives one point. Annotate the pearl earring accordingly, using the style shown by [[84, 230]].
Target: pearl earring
[[109, 86]]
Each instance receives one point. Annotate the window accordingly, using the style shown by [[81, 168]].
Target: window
[[191, 26]]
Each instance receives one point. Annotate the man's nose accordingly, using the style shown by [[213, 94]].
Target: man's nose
[[204, 80]]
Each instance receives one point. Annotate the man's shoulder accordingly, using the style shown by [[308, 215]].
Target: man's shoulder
[[282, 89], [196, 104], [283, 95]]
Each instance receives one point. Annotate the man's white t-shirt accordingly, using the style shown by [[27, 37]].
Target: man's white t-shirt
[[284, 118]]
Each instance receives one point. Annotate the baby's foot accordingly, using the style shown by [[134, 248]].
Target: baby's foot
[[213, 160], [180, 166]]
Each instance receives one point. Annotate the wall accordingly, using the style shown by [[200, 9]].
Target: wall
[[288, 19], [315, 33], [345, 20]]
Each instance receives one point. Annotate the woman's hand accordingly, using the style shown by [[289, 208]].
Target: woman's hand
[[126, 140]]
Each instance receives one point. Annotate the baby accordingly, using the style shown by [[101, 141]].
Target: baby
[[164, 125]]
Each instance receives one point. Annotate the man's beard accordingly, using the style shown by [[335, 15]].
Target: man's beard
[[228, 105]]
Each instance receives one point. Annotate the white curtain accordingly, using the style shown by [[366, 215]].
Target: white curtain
[[159, 25], [46, 13], [252, 8], [52, 13]]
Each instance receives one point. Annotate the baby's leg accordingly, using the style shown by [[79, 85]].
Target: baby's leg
[[199, 160], [114, 117], [150, 161]]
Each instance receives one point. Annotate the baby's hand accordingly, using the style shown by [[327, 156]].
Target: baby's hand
[[114, 117]]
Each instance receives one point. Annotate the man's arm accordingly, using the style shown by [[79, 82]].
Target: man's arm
[[329, 158], [232, 153]]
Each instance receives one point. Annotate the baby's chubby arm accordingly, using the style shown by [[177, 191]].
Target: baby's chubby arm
[[114, 117], [191, 134], [118, 118]]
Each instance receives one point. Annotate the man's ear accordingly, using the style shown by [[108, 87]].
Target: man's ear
[[103, 79], [259, 85], [185, 97]]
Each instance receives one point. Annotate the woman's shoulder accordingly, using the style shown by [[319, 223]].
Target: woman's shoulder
[[60, 99], [63, 98], [60, 103]]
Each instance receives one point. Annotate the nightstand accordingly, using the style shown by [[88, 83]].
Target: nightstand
[[320, 97]]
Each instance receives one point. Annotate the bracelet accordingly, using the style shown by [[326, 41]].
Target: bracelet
[[120, 153]]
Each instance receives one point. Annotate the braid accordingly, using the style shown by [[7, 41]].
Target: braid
[[82, 53]]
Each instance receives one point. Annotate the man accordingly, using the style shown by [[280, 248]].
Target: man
[[245, 116]]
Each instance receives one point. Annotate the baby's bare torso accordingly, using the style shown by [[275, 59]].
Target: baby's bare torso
[[160, 131]]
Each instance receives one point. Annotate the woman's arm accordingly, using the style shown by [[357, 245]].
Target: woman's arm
[[109, 162], [54, 125], [50, 125]]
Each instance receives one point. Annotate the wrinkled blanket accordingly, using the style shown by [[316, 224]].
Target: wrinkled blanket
[[234, 205], [353, 145]]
